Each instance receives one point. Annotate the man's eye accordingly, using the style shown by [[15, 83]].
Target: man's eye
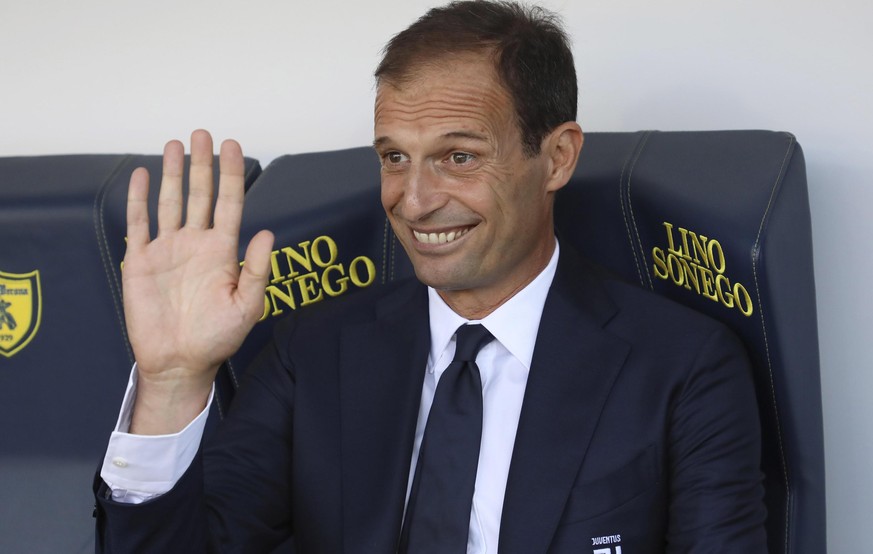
[[461, 158], [394, 157]]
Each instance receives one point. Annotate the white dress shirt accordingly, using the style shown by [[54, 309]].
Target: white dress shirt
[[137, 468], [504, 364]]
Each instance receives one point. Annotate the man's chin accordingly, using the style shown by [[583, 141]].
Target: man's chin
[[448, 272], [438, 280]]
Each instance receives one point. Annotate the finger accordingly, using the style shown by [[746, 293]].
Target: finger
[[200, 181], [231, 189], [138, 209], [254, 274], [170, 196]]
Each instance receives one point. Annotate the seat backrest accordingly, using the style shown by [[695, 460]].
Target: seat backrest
[[64, 354], [110, 222], [71, 357], [332, 237], [720, 221], [716, 220]]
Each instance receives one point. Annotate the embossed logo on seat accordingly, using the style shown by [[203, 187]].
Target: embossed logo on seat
[[698, 263], [20, 310]]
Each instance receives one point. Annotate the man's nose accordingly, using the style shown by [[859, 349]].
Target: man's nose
[[423, 193]]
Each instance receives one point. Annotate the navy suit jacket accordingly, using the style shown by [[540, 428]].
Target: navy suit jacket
[[638, 430]]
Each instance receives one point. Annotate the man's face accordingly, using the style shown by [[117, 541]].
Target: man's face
[[473, 213]]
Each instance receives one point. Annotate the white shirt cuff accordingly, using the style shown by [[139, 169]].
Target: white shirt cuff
[[140, 467]]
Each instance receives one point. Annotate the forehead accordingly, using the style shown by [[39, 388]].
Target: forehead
[[465, 93]]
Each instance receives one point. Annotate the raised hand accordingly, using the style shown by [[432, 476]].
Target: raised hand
[[187, 304]]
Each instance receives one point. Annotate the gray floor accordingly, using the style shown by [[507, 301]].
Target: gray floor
[[52, 506]]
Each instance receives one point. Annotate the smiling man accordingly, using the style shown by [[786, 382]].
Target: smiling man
[[470, 204], [513, 398]]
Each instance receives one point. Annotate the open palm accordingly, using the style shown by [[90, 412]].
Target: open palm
[[188, 306]]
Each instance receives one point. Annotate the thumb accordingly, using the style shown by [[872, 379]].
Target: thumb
[[254, 274]]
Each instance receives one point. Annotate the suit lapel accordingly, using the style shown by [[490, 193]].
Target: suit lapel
[[574, 366], [382, 366]]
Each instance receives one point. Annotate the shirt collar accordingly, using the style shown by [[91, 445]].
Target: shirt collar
[[514, 324]]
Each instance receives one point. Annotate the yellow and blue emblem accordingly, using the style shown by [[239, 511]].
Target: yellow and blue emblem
[[20, 310]]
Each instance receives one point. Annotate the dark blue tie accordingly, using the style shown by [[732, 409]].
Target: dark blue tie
[[438, 512]]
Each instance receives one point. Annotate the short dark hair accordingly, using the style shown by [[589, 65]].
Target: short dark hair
[[531, 54]]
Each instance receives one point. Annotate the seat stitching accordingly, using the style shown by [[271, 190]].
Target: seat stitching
[[384, 250], [103, 247], [232, 372], [393, 255], [624, 210], [624, 218], [756, 250], [631, 210]]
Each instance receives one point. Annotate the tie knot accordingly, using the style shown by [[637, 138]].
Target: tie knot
[[470, 339]]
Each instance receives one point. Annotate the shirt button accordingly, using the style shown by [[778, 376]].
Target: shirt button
[[119, 462]]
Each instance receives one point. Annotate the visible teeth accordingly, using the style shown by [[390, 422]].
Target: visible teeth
[[438, 238]]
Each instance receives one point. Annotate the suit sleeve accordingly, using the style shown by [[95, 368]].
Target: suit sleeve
[[172, 522], [716, 487], [236, 491]]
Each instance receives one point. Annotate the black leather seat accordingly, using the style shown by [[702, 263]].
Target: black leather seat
[[55, 407], [720, 221], [110, 220], [716, 220], [65, 368], [332, 237]]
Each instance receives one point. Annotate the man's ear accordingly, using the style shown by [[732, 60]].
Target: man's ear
[[563, 145]]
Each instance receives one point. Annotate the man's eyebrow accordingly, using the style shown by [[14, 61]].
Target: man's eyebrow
[[465, 135], [381, 141]]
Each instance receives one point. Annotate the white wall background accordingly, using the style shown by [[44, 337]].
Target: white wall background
[[292, 76]]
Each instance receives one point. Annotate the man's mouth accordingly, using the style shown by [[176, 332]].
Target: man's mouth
[[440, 238]]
